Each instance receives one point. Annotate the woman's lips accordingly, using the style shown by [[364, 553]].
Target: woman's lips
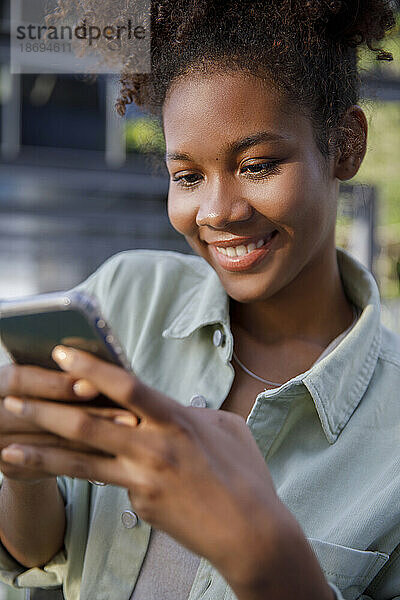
[[243, 263]]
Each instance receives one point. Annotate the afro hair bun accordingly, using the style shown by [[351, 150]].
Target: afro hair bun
[[352, 22]]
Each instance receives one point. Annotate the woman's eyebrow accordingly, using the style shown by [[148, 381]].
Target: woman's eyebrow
[[177, 156], [254, 139], [238, 145]]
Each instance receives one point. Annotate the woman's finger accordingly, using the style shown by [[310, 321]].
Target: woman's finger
[[116, 383], [18, 424], [48, 440], [31, 381], [10, 423], [84, 389], [22, 473], [79, 425], [56, 461]]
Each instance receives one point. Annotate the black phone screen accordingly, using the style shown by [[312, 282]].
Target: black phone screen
[[30, 339]]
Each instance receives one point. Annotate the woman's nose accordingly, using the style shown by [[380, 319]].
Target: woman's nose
[[222, 206]]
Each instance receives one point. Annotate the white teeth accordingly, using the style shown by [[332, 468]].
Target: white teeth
[[241, 250], [233, 251]]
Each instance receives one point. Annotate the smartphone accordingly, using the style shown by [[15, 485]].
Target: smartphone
[[30, 327]]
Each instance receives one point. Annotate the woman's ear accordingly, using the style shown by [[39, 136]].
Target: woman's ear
[[352, 144]]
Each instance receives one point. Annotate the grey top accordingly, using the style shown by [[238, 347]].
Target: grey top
[[168, 570]]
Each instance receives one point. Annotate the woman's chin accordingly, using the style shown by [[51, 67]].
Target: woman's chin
[[247, 292]]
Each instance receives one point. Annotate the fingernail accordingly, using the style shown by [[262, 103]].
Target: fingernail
[[14, 405], [130, 420], [63, 356], [84, 389], [16, 456]]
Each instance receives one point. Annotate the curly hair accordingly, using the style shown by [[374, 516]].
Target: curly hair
[[307, 49]]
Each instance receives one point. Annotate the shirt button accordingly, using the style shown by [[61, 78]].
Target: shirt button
[[129, 519], [198, 402], [218, 338]]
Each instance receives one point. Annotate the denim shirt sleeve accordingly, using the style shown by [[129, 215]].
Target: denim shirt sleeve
[[52, 574], [11, 571]]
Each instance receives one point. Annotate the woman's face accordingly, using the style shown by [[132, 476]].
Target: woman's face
[[249, 189]]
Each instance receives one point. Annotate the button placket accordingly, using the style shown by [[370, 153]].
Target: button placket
[[129, 519], [198, 401], [219, 338]]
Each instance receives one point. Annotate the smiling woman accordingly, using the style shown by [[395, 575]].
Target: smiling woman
[[276, 493]]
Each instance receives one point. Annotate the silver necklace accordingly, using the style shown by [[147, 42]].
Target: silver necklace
[[246, 370]]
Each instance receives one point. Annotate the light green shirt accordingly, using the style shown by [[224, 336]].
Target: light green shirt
[[330, 436]]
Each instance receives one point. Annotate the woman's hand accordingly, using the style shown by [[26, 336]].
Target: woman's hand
[[29, 381], [195, 473], [32, 513]]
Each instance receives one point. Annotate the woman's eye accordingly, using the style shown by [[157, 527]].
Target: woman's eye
[[252, 171], [261, 170], [188, 180]]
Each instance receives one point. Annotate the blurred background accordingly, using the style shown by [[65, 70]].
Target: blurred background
[[78, 183]]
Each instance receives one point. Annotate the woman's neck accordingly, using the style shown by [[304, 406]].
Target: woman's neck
[[313, 308]]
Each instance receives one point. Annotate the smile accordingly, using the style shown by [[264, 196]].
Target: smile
[[243, 250], [242, 257]]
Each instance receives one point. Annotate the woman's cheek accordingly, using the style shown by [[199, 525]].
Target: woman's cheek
[[182, 215], [294, 199], [278, 199]]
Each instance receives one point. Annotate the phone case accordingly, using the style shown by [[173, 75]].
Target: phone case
[[30, 327]]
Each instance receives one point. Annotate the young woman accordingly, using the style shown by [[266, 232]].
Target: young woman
[[291, 489]]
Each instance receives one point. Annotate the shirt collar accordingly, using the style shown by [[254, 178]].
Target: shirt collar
[[336, 383], [206, 303]]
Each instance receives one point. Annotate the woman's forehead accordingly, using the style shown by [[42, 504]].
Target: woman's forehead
[[216, 88], [228, 106]]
